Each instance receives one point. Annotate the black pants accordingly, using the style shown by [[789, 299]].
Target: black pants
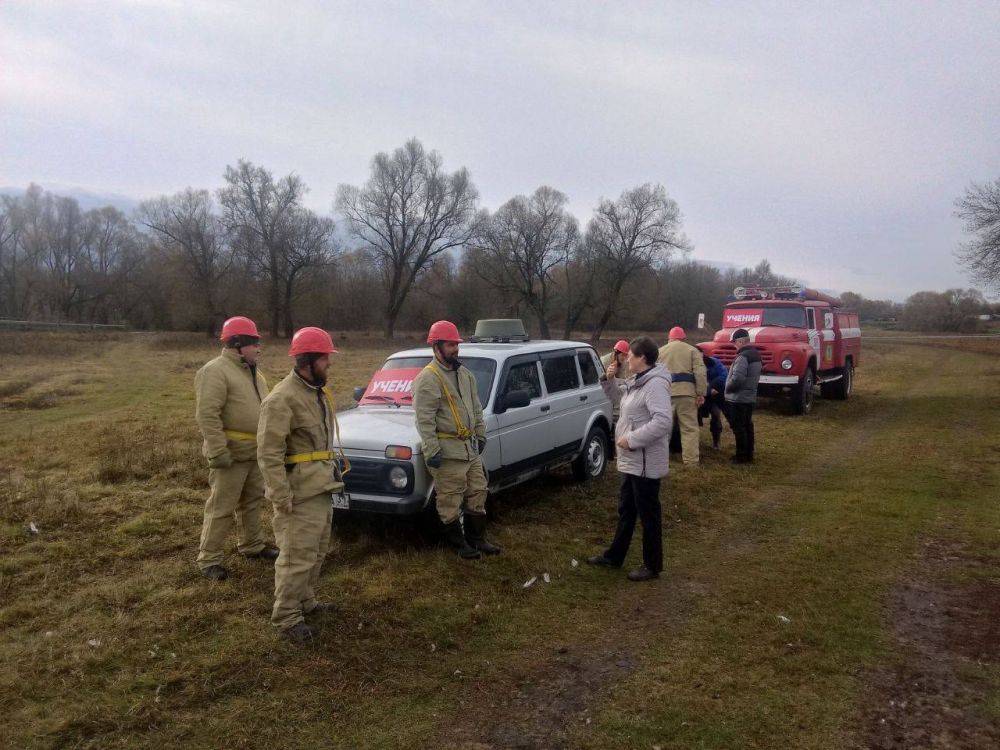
[[640, 497], [714, 408], [741, 420]]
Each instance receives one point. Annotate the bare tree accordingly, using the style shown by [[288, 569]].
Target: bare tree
[[10, 242], [112, 255], [523, 244], [980, 209], [268, 224], [627, 236], [407, 213], [186, 224], [577, 286]]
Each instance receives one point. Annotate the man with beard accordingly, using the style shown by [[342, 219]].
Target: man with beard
[[450, 421], [295, 439], [228, 394]]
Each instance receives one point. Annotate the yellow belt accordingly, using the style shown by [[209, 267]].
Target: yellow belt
[[302, 458], [237, 435]]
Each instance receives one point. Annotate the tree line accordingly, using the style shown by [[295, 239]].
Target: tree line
[[409, 246]]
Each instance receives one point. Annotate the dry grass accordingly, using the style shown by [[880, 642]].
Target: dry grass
[[427, 651]]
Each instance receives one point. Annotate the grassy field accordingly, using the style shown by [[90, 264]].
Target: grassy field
[[843, 592]]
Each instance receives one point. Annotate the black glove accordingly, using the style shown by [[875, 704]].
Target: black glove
[[480, 445], [434, 461]]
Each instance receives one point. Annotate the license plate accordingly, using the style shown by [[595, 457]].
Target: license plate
[[342, 501]]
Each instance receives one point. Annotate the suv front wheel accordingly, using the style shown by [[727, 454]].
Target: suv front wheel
[[593, 459]]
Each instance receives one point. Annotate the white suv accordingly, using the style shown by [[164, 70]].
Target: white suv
[[543, 407]]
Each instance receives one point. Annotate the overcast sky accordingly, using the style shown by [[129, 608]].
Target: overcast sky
[[831, 139]]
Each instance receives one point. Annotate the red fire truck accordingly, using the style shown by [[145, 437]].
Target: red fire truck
[[805, 338]]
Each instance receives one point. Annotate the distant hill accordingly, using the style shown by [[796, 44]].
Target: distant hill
[[86, 198]]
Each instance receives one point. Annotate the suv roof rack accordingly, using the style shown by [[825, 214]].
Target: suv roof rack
[[499, 331]]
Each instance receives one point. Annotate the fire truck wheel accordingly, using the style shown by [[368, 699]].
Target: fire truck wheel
[[802, 395], [842, 388]]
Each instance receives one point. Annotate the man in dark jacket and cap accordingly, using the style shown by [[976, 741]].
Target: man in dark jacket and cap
[[741, 394]]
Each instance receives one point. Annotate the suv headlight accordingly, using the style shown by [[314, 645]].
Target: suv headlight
[[786, 364], [398, 477]]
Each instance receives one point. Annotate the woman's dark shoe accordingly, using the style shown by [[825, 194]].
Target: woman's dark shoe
[[602, 561], [642, 574]]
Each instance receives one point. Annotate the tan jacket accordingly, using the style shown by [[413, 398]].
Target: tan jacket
[[226, 399], [433, 414], [683, 359], [296, 418]]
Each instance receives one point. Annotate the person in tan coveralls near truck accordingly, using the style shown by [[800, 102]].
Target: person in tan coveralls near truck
[[688, 385], [298, 428], [228, 393], [452, 431]]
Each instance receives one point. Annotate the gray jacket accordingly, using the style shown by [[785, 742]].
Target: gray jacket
[[645, 419], [744, 374]]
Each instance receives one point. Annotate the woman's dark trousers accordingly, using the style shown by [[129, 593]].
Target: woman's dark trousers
[[639, 496]]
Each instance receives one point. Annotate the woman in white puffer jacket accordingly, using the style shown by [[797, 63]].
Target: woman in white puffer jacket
[[642, 438]]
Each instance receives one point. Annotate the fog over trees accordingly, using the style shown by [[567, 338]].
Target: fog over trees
[[409, 246]]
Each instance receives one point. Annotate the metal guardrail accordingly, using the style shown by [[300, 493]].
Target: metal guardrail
[[30, 324]]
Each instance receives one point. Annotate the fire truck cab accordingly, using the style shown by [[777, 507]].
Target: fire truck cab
[[805, 338]]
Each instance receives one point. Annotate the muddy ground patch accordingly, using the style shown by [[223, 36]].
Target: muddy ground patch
[[946, 627]]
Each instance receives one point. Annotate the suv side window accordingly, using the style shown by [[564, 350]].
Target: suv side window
[[560, 373], [587, 368], [524, 376]]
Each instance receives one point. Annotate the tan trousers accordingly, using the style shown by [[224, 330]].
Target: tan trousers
[[686, 415], [303, 538], [236, 496], [459, 482]]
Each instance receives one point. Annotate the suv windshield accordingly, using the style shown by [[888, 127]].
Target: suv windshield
[[784, 316], [483, 369]]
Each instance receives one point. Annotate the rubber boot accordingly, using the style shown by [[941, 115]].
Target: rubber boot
[[475, 534], [455, 537]]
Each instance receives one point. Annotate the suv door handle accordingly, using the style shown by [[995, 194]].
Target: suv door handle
[[546, 408], [583, 398]]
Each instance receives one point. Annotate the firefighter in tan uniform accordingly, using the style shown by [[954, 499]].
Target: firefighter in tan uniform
[[228, 393], [298, 428], [449, 419], [688, 386]]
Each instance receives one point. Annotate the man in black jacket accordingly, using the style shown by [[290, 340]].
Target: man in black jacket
[[741, 394]]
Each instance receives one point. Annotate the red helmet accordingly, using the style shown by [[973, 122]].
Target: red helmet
[[622, 347], [677, 333], [238, 326], [311, 340], [444, 330]]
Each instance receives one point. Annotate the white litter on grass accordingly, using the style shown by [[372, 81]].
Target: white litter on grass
[[530, 582], [574, 562], [49, 633], [32, 528], [433, 647], [156, 698], [93, 643], [783, 619], [546, 578]]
